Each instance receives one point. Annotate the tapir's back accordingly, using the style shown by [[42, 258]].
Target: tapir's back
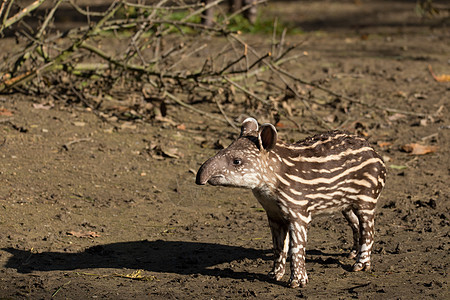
[[329, 166]]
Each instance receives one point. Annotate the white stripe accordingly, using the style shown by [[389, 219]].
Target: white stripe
[[297, 227], [296, 147], [349, 190], [292, 200], [362, 182], [371, 178], [362, 198], [326, 170], [277, 156], [332, 179], [286, 243], [282, 180], [328, 196], [322, 159], [295, 192], [287, 162]]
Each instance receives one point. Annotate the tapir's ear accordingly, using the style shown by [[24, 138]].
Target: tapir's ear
[[248, 126], [268, 136]]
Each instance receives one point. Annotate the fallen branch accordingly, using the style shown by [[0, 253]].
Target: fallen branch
[[153, 47]]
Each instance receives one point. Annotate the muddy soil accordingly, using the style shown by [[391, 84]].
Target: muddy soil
[[89, 209]]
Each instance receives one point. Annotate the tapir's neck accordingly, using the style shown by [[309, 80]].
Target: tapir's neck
[[272, 162]]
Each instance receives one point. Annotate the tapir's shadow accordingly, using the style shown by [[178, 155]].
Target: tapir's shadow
[[177, 257], [156, 256]]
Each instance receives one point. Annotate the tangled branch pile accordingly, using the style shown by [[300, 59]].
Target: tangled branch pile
[[133, 59]]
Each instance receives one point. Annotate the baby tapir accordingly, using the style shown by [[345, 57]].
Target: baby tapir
[[327, 172]]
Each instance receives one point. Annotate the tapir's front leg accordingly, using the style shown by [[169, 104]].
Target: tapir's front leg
[[297, 244], [280, 238]]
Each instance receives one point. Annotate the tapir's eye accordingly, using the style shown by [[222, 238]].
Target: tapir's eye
[[237, 161]]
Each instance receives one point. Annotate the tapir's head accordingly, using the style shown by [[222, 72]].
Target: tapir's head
[[242, 164]]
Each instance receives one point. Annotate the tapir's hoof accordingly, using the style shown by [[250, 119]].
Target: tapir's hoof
[[352, 254], [361, 267], [298, 283], [275, 276]]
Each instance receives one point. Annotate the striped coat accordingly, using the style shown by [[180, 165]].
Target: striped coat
[[321, 174]]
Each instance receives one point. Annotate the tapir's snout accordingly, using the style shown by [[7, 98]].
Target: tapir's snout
[[200, 179], [211, 171], [204, 173]]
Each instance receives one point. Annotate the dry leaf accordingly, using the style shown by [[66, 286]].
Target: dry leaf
[[417, 149], [287, 108], [171, 152], [400, 94], [384, 144], [137, 275], [420, 96], [182, 126], [423, 122], [5, 112], [42, 106], [121, 108], [128, 125], [330, 118], [83, 234], [79, 123], [398, 167], [439, 78], [200, 139], [165, 120], [396, 117]]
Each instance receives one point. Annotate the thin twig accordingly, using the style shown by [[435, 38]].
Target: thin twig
[[159, 7], [59, 288], [2, 7], [187, 56], [20, 15], [281, 44], [246, 91], [274, 35], [225, 115], [242, 9], [231, 64], [47, 19], [8, 9], [199, 11], [190, 107], [268, 54], [86, 12]]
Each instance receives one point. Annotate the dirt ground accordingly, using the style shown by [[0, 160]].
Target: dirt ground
[[86, 205]]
